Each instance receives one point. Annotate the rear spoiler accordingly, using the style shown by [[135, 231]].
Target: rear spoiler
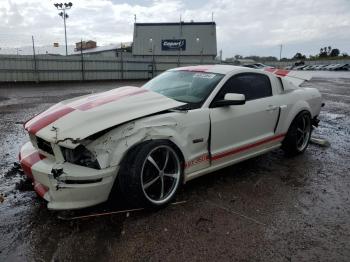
[[295, 77]]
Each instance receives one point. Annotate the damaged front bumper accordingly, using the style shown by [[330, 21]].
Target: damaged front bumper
[[75, 187]]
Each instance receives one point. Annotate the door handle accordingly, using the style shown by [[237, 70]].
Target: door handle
[[271, 108]]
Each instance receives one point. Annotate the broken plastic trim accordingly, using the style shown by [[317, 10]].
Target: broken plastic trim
[[57, 172], [80, 156], [44, 145]]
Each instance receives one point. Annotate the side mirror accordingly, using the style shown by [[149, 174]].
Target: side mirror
[[230, 99]]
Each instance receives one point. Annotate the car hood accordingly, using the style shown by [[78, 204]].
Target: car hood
[[78, 118]]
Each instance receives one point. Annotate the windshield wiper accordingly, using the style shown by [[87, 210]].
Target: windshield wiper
[[186, 107]]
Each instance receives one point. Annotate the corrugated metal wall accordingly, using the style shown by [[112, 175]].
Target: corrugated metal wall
[[72, 68], [59, 68]]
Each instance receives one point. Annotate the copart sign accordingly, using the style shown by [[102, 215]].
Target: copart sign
[[173, 44]]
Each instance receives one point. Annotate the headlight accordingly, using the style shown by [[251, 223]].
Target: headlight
[[80, 156]]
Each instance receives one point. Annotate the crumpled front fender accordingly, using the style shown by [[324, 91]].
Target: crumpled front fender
[[178, 127]]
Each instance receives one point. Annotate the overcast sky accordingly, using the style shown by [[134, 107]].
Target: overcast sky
[[254, 27]]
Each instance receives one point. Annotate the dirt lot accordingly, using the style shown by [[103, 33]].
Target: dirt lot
[[271, 208]]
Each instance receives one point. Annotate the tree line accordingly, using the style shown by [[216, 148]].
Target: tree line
[[326, 52]]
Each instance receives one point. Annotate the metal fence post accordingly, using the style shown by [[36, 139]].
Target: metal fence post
[[121, 65], [36, 76], [82, 61]]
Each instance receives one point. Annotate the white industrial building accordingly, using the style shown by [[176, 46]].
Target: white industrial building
[[167, 40]]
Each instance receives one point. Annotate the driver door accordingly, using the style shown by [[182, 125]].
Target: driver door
[[238, 130]]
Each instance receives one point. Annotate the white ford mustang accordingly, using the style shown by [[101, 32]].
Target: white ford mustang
[[147, 141]]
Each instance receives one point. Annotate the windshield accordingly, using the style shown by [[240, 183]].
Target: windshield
[[185, 86]]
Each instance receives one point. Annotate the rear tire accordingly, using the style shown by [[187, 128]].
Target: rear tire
[[298, 135], [151, 174]]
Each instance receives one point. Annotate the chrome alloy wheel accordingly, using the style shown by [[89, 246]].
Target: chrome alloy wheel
[[303, 131], [160, 174]]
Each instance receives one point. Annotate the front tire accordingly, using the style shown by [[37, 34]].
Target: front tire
[[298, 135], [151, 174]]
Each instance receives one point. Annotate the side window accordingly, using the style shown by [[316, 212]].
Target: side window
[[252, 85]]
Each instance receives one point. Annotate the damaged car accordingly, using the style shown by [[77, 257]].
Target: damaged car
[[147, 141]]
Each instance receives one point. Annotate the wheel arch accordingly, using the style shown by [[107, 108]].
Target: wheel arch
[[300, 112], [299, 107], [134, 148]]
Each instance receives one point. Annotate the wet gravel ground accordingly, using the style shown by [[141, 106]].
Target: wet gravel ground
[[270, 208]]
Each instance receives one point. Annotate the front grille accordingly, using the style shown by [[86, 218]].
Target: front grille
[[44, 145]]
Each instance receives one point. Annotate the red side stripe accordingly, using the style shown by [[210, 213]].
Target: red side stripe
[[244, 148], [28, 161], [48, 118], [231, 152], [197, 160]]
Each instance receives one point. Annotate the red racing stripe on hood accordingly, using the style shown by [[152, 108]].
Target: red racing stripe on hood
[[108, 98], [48, 117]]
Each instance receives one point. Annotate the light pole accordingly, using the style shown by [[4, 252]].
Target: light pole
[[153, 65], [63, 8], [201, 52]]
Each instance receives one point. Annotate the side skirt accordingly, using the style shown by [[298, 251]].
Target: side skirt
[[213, 168]]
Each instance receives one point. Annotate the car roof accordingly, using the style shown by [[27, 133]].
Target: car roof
[[218, 69]]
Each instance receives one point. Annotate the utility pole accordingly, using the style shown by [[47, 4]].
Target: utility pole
[[63, 8], [280, 52]]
